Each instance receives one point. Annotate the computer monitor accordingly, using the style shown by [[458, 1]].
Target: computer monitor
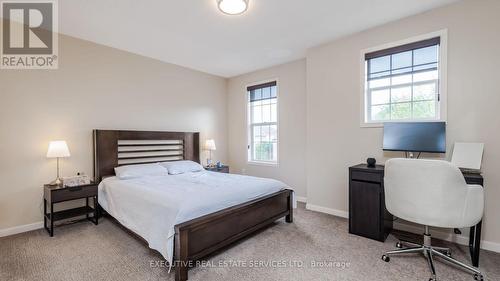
[[415, 136]]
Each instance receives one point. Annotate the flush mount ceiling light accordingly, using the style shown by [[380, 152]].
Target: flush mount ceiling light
[[232, 7]]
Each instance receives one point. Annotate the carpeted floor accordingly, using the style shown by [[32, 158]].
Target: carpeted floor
[[315, 247]]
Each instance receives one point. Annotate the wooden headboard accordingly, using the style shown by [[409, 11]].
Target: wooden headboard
[[113, 148]]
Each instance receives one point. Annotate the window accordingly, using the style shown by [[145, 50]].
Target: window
[[263, 123], [402, 83]]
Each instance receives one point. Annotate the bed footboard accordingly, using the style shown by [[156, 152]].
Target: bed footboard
[[202, 236]]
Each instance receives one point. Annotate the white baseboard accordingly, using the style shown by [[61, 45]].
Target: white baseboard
[[490, 246], [20, 229], [447, 236], [301, 199], [321, 209]]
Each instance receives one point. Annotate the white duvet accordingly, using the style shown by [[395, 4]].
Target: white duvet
[[151, 206]]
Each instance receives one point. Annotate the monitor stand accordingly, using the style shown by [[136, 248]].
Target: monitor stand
[[411, 155]]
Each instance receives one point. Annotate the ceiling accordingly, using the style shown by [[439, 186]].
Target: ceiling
[[195, 34]]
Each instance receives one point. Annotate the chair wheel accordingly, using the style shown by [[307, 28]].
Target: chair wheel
[[478, 277], [399, 245], [386, 258]]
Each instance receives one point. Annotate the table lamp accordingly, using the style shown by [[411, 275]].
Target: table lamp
[[57, 149], [210, 146]]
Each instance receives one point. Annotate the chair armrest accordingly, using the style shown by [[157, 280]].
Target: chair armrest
[[474, 205]]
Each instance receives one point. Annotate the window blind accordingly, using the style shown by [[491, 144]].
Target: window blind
[[257, 93], [405, 59]]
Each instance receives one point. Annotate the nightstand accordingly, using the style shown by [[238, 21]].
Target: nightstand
[[223, 169], [57, 194]]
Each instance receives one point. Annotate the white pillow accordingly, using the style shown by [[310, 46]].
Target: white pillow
[[183, 166], [140, 170]]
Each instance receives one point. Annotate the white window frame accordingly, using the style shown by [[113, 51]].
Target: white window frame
[[442, 76], [249, 125]]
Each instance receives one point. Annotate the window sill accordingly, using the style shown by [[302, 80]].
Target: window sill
[[259, 163], [381, 124], [371, 125]]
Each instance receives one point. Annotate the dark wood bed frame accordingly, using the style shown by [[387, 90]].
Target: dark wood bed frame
[[205, 235]]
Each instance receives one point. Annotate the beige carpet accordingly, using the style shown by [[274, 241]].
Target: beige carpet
[[315, 247]]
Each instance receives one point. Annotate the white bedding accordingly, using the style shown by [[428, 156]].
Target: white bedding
[[152, 205]]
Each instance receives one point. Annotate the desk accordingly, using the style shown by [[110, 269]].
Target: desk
[[368, 216]]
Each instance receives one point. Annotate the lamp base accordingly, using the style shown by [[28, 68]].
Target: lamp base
[[56, 182]]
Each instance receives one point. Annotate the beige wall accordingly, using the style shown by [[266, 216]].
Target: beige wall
[[334, 137], [292, 124], [94, 87], [101, 87]]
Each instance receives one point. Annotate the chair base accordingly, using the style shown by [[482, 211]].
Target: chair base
[[429, 252]]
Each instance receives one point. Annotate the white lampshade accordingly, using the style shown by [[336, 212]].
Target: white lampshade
[[58, 149], [210, 144], [232, 7]]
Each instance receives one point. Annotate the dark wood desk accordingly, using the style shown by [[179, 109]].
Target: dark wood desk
[[368, 216]]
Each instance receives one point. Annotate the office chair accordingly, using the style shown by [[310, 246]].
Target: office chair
[[432, 193]]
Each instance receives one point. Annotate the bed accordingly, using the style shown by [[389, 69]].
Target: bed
[[188, 216]]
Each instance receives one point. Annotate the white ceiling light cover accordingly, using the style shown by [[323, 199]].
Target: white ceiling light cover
[[233, 7]]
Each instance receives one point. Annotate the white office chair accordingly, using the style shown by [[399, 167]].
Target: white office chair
[[431, 193]]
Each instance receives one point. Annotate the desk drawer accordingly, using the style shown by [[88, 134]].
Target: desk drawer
[[366, 176], [76, 192]]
